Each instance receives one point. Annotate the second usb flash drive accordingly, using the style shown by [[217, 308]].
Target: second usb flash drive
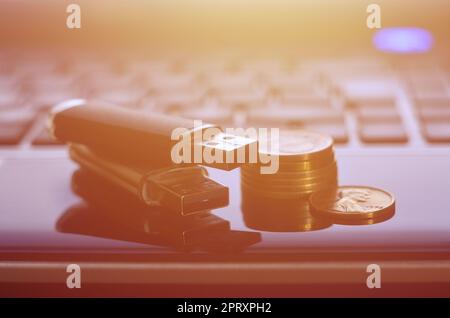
[[136, 137], [180, 191]]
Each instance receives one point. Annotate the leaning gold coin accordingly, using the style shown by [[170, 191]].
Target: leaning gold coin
[[352, 203]]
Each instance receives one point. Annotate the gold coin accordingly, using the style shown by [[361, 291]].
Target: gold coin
[[255, 174], [306, 165], [277, 195], [330, 171], [298, 164], [291, 187], [273, 208], [353, 203], [280, 194], [298, 145]]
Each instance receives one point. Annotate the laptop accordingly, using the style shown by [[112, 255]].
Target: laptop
[[383, 94]]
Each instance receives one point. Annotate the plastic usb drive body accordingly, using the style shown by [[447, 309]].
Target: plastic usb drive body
[[136, 137], [179, 190]]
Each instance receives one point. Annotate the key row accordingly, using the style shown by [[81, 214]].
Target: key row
[[434, 117]]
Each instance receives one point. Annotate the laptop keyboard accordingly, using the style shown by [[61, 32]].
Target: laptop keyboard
[[360, 102]]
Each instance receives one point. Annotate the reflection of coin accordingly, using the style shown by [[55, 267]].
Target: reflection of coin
[[353, 203], [298, 145], [279, 215]]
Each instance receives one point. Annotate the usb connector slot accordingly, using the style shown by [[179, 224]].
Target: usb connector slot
[[226, 151], [185, 190]]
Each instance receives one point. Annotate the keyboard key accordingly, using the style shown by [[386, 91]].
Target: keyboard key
[[34, 67], [364, 88], [44, 138], [165, 81], [297, 94], [309, 100], [429, 87], [267, 69], [434, 113], [292, 86], [233, 66], [44, 100], [382, 132], [367, 114], [242, 100], [177, 102], [301, 115], [9, 100], [165, 91], [350, 66], [20, 115], [336, 130], [372, 102], [436, 132], [145, 67], [11, 134], [221, 117], [435, 102], [13, 126], [240, 83], [8, 81], [126, 97], [48, 81], [42, 92], [103, 81]]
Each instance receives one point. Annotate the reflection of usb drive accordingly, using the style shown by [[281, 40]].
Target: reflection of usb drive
[[117, 214], [149, 224], [180, 190], [136, 137]]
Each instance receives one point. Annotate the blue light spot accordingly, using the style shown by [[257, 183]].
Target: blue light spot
[[403, 40]]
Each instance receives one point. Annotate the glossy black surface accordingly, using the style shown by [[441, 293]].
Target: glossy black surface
[[35, 194]]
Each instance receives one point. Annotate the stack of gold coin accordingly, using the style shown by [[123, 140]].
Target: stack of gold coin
[[306, 165]]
